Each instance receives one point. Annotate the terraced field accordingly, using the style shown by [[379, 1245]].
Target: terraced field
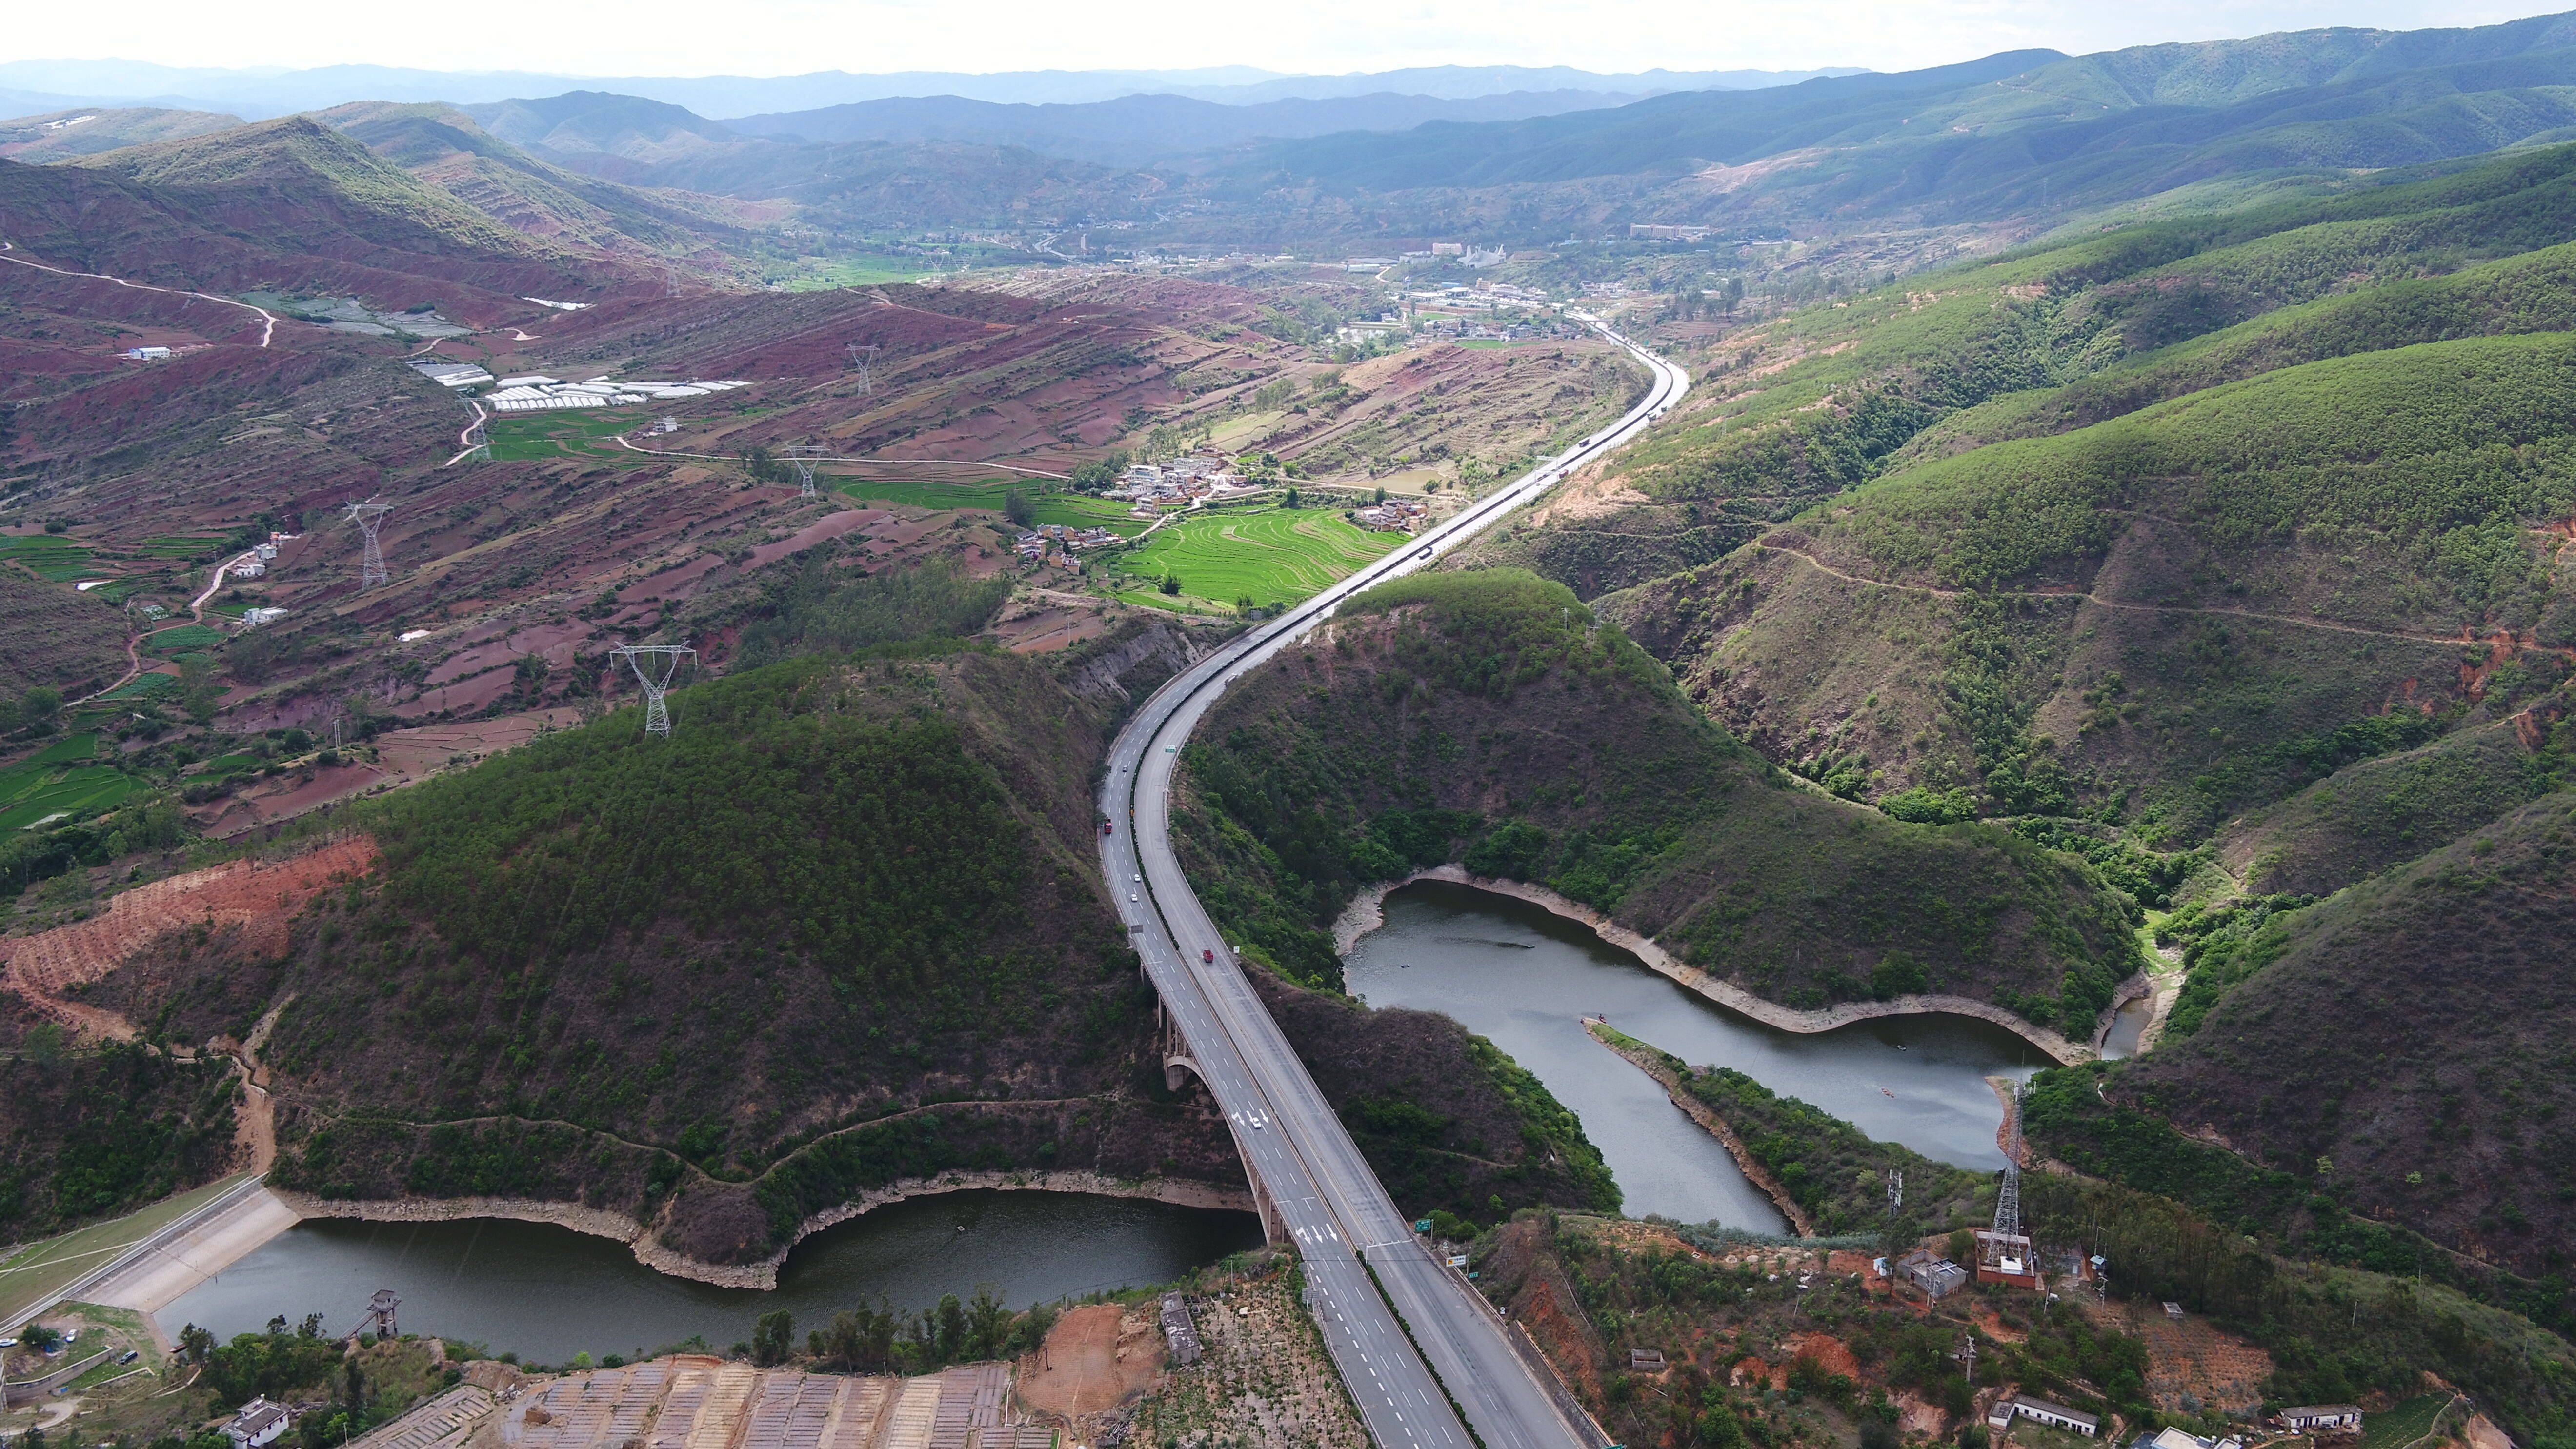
[[58, 780], [1271, 556]]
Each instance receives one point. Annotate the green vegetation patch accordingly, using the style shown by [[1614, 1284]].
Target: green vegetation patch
[[144, 686], [1265, 556], [1046, 505]]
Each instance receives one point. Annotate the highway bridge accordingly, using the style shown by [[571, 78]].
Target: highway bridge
[[1418, 1347]]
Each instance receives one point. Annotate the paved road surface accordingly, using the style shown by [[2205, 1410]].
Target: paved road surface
[[1344, 1222]]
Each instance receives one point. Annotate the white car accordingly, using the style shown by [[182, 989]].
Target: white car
[[1131, 898], [1140, 880]]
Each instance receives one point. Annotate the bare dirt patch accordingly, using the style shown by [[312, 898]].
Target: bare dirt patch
[[1094, 1360]]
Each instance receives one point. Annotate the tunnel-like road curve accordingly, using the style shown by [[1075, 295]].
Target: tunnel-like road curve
[[1415, 1344]]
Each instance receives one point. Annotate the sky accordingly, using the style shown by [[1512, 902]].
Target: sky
[[787, 37]]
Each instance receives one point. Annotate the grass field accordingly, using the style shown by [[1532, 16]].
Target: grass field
[[178, 546], [37, 1274], [1270, 556], [1069, 509], [54, 782], [587, 434], [2405, 1424]]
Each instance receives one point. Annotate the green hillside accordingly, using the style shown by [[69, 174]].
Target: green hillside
[[844, 926], [1486, 717]]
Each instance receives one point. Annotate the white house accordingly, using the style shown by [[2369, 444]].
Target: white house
[[2056, 1416], [2315, 1417], [258, 1424]]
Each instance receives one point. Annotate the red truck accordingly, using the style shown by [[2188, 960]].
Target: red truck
[[1208, 956]]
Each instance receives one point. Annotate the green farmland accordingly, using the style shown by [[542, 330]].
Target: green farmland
[[1270, 556], [57, 781], [183, 638], [1069, 509]]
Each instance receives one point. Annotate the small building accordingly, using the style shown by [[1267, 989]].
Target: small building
[[254, 618], [1178, 1331], [1646, 1360], [2007, 1258], [2321, 1418], [2056, 1416], [1934, 1277], [258, 1424], [2177, 1439], [249, 568], [148, 354]]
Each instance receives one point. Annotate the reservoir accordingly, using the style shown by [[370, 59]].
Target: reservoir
[[547, 1293], [1520, 976]]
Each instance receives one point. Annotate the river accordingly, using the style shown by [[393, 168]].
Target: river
[[547, 1293], [1521, 976]]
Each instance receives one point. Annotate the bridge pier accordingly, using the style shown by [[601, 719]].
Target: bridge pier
[[1178, 1067]]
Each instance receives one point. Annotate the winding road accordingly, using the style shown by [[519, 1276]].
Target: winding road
[[268, 319], [1417, 1346]]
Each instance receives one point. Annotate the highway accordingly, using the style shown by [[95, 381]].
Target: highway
[[1440, 1350]]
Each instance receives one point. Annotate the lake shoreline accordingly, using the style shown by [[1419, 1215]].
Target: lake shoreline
[[1367, 913], [762, 1274]]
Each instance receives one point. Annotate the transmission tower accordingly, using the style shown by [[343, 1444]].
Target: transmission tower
[[803, 455], [863, 356], [1895, 1193], [2008, 1203], [654, 664], [368, 516]]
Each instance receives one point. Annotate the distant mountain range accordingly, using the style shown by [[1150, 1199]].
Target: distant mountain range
[[29, 86], [2023, 137]]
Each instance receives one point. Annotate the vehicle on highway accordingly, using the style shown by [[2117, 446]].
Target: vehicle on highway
[[1204, 955], [1131, 897]]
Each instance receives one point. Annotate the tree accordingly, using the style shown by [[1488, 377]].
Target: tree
[[38, 708], [1171, 584], [195, 1343], [40, 1338], [1017, 507], [771, 1339], [949, 1329]]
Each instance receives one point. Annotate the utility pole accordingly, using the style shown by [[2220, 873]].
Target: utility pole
[[371, 567], [655, 676]]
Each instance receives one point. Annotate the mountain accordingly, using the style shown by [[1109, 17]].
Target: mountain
[[1486, 718], [2063, 534], [2013, 135], [1137, 130], [268, 92]]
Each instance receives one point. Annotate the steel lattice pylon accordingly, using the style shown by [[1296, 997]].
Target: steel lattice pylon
[[803, 455], [2008, 1202], [863, 359], [371, 568], [655, 677]]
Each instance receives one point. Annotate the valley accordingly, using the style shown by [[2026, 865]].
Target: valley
[[1857, 760]]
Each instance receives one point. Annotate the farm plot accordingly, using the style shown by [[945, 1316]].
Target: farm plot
[[1273, 556]]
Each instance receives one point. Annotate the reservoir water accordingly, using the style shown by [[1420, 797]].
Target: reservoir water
[[1521, 976], [1509, 970], [548, 1293]]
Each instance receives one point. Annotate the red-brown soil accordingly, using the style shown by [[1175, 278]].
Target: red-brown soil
[[260, 897]]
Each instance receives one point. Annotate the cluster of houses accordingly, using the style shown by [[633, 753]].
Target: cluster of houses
[[1057, 543], [1395, 515], [1182, 481]]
